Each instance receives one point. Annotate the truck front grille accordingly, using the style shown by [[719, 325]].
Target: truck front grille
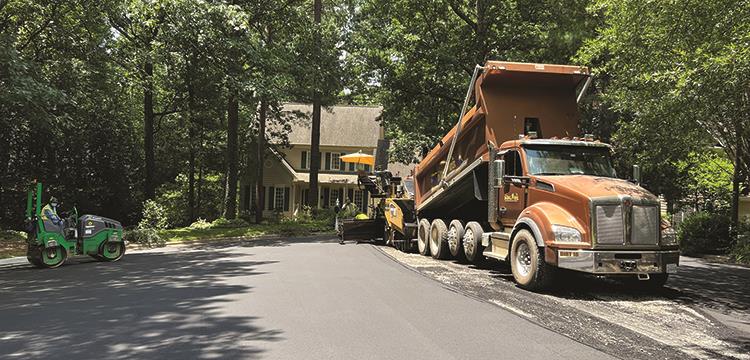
[[645, 230], [609, 225]]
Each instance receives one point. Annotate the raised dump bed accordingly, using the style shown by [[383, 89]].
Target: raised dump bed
[[510, 100]]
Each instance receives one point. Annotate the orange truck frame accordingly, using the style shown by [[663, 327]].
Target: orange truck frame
[[515, 181]]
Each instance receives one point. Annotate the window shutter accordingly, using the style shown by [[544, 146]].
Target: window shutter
[[328, 161], [303, 164], [350, 194], [342, 164], [271, 199], [326, 197], [286, 199]]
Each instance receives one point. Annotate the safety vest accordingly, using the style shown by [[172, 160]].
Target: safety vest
[[49, 209]]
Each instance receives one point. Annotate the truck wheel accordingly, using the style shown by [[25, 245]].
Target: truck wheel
[[439, 239], [472, 242], [455, 239], [423, 237], [527, 262], [53, 257], [111, 251]]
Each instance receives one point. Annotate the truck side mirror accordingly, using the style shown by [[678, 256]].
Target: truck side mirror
[[636, 174], [499, 171]]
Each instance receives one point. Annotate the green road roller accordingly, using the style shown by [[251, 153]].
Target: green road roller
[[52, 237]]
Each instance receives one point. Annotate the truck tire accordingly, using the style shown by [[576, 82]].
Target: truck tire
[[423, 237], [455, 239], [439, 239], [527, 262], [472, 242]]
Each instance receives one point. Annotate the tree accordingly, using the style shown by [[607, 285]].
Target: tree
[[667, 61], [416, 57]]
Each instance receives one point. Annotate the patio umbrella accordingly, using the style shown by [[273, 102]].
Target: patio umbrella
[[359, 157]]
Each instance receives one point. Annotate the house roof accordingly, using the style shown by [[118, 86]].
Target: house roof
[[340, 125]]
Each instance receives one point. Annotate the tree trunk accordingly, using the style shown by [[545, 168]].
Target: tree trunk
[[148, 130], [191, 142], [736, 179], [230, 195], [312, 195], [259, 193]]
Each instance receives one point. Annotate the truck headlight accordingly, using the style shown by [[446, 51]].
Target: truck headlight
[[566, 234], [669, 236]]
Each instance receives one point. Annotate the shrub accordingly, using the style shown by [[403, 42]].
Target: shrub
[[173, 196], [292, 229], [147, 237], [154, 216], [200, 224], [704, 233], [741, 250], [229, 223]]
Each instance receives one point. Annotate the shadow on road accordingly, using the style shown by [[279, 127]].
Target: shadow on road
[[148, 305]]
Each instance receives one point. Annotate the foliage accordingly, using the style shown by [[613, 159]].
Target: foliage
[[154, 216], [415, 57], [704, 233], [200, 224], [173, 196], [709, 183], [229, 223], [680, 78], [148, 237]]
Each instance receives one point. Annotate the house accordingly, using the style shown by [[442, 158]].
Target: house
[[286, 177]]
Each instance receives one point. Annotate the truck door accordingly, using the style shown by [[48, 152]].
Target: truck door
[[513, 192]]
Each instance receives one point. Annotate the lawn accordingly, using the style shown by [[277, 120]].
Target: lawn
[[255, 230], [12, 243]]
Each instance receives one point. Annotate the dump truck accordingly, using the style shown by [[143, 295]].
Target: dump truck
[[514, 180]]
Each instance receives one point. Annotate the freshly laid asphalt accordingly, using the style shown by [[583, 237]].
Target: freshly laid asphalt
[[305, 298]]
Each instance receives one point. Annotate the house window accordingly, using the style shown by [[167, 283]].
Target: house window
[[359, 200], [352, 167], [305, 164], [335, 161], [333, 197], [278, 198]]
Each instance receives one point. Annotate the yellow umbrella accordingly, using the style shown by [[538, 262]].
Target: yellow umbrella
[[359, 157]]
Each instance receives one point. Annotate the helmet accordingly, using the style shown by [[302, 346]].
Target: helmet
[[53, 200]]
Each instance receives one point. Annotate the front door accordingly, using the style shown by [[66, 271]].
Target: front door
[[512, 194]]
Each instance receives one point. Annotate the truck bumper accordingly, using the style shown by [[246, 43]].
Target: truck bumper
[[619, 262]]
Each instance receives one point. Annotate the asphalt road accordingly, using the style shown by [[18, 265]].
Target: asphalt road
[[275, 299]]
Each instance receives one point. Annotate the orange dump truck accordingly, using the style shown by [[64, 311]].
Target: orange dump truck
[[515, 181]]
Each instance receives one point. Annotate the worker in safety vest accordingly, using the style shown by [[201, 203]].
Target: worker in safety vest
[[50, 217]]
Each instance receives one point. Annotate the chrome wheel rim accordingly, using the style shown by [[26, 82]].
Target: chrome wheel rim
[[468, 241], [452, 240], [523, 259]]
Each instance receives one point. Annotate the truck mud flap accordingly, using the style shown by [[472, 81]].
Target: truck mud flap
[[369, 229]]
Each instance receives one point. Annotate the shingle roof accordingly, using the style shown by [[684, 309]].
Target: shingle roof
[[341, 125]]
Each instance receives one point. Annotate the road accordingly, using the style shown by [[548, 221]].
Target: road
[[703, 312], [305, 298]]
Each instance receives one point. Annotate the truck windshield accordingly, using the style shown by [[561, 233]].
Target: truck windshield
[[569, 160]]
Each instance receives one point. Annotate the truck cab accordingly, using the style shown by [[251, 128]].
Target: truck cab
[[565, 196]]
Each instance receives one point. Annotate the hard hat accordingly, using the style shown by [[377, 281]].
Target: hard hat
[[53, 200]]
